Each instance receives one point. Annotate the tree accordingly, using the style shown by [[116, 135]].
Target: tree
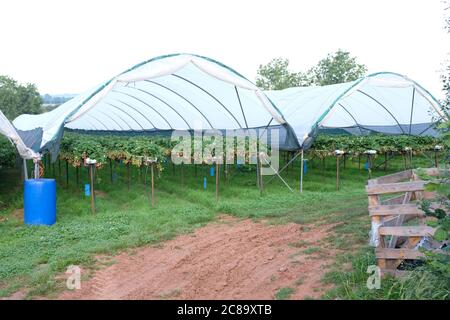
[[336, 68], [276, 76], [16, 99]]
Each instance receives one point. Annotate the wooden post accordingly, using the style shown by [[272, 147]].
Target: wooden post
[[369, 164], [411, 159], [91, 174], [337, 173], [217, 180], [153, 186], [260, 177]]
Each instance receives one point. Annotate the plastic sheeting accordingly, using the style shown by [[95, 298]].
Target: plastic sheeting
[[383, 102], [174, 92], [7, 129], [190, 92]]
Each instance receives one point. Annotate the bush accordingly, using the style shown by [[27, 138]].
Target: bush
[[7, 153]]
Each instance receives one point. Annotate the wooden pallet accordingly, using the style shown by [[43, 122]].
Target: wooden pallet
[[397, 242]]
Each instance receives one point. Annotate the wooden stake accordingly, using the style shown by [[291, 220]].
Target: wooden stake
[[91, 174], [369, 164], [153, 186], [337, 173], [217, 180], [260, 180]]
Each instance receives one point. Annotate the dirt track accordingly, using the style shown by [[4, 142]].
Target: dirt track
[[227, 259]]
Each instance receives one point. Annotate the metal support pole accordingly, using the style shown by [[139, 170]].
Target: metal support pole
[[36, 169], [25, 169], [301, 171]]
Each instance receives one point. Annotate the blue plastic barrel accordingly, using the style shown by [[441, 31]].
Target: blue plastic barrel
[[40, 201], [87, 190]]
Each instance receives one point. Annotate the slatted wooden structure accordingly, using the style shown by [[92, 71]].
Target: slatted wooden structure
[[394, 241]]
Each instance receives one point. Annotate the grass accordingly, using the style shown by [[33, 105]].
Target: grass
[[284, 293], [31, 257]]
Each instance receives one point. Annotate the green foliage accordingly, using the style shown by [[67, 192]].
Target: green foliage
[[130, 150], [428, 282], [276, 76], [338, 67], [17, 99], [284, 293], [7, 153], [325, 145]]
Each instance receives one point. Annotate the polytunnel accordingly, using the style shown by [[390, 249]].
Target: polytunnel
[[191, 92], [384, 102]]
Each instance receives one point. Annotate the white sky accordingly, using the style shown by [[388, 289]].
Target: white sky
[[70, 46]]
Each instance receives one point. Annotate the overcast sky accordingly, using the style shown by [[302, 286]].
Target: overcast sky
[[70, 46]]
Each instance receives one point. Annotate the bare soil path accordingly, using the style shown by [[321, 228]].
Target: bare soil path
[[226, 259]]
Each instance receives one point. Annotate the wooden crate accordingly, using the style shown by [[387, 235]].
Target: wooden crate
[[394, 241]]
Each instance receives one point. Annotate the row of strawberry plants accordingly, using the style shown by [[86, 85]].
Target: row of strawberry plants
[[75, 148], [326, 145]]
